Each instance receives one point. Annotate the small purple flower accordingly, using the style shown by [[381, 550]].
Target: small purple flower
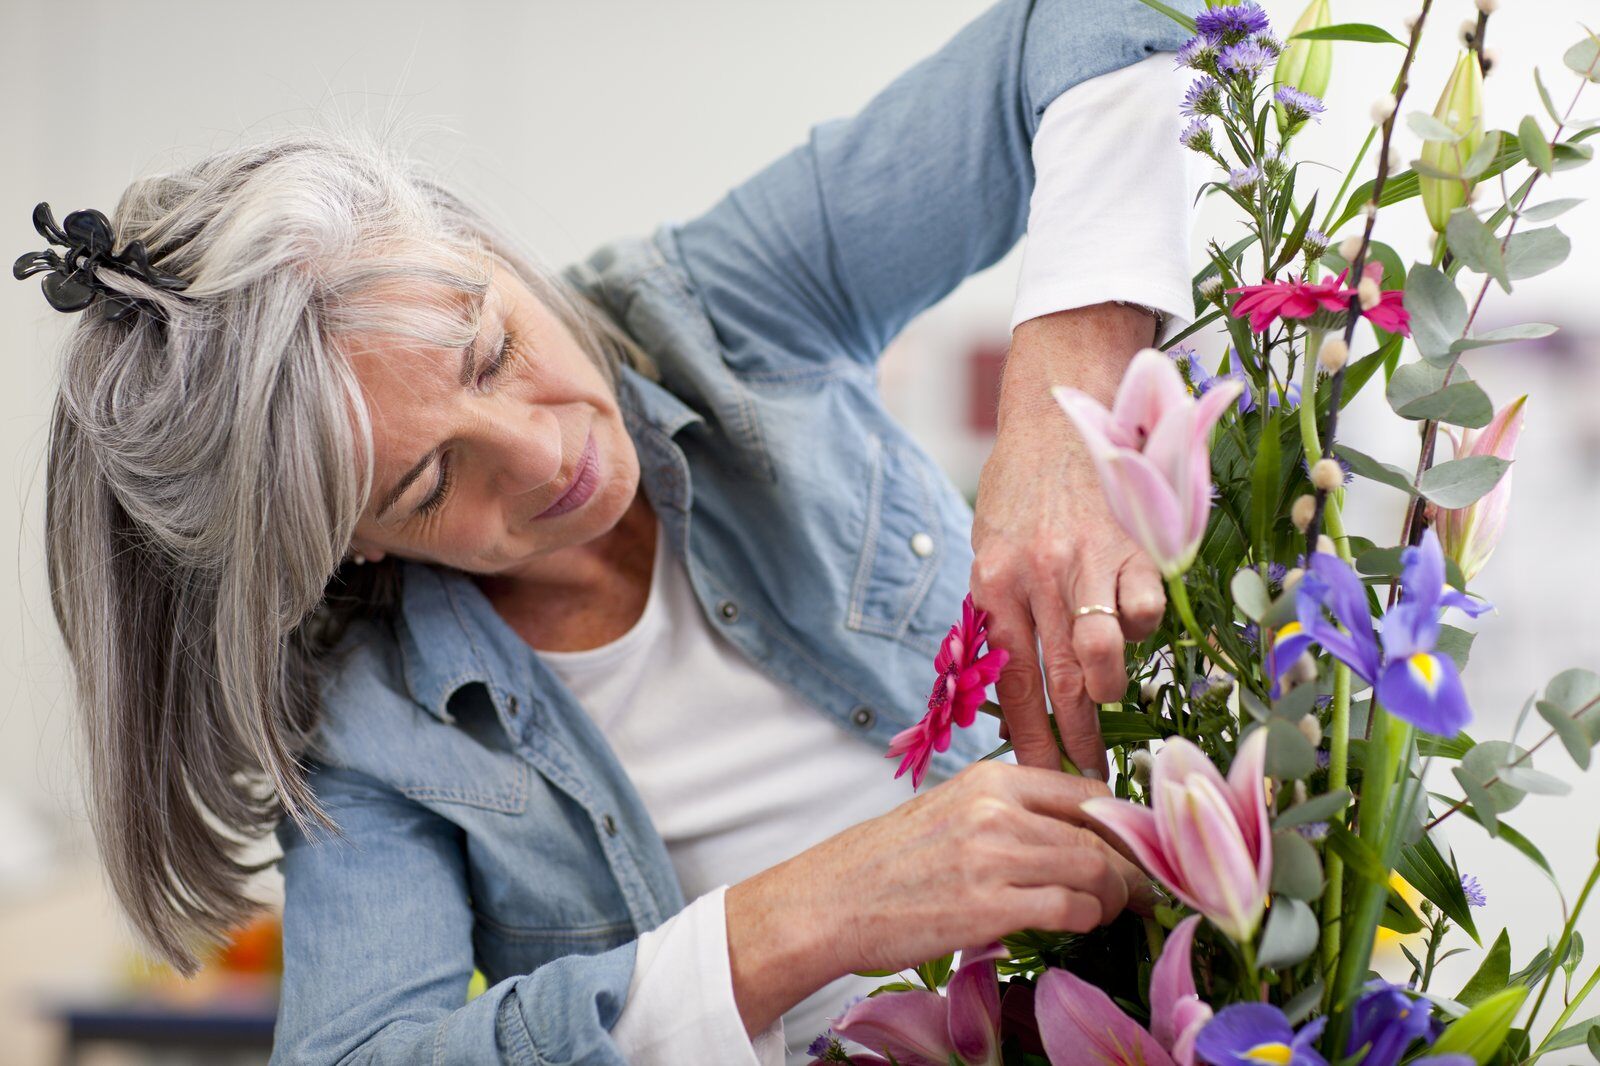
[[1298, 105], [1313, 830], [1197, 53], [1244, 179], [1251, 635], [1245, 60], [1474, 891], [1315, 244], [1270, 43], [1231, 23], [1249, 1033], [1388, 1020], [1324, 758], [1196, 135], [1204, 97], [1276, 572]]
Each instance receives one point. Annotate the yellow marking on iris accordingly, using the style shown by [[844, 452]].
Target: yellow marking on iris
[[1425, 668], [1290, 630], [1276, 1054]]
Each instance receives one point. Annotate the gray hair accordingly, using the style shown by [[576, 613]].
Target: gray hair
[[205, 475]]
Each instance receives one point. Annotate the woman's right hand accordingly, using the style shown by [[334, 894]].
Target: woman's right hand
[[995, 849]]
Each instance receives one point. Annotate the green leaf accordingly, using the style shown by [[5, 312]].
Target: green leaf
[[1316, 809], [1583, 58], [1483, 157], [1527, 331], [1462, 482], [1461, 403], [1544, 94], [1438, 311], [1290, 755], [1290, 936], [1483, 1029], [1429, 128], [1573, 736], [1296, 239], [1296, 868], [1398, 916], [1476, 245], [1427, 871], [1360, 858], [1360, 32], [1534, 147], [1250, 593], [1577, 693], [1432, 747], [1366, 466], [1413, 381], [1265, 479], [1570, 154], [1487, 762], [1455, 641], [1492, 974], [1172, 13], [1591, 1040], [1572, 1035], [1527, 779], [1482, 804], [1551, 209], [1532, 252], [1127, 727]]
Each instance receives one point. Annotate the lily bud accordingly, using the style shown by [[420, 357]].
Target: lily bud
[[1306, 65], [1469, 534], [1461, 108], [1334, 354], [1304, 509]]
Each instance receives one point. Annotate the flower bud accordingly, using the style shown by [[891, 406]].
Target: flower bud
[[1210, 287], [1382, 108], [1327, 476], [1460, 107], [1299, 792], [1469, 30], [1316, 243], [1334, 354], [1491, 56], [1369, 209], [1310, 728], [1149, 692], [1141, 763], [1292, 577], [1304, 509], [1303, 672], [1488, 7], [1306, 65], [1397, 160], [1325, 543], [1369, 292], [1349, 248]]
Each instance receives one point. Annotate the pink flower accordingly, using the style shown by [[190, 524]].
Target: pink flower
[[920, 1028], [1389, 313], [1204, 838], [1298, 299], [1152, 451], [957, 694], [1079, 1023], [1469, 534]]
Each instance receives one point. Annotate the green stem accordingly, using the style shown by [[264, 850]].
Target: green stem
[[1178, 595], [1565, 941], [1338, 197], [1566, 1015]]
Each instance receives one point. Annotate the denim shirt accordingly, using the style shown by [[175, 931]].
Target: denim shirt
[[484, 820]]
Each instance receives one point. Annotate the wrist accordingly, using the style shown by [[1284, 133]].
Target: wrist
[[780, 944]]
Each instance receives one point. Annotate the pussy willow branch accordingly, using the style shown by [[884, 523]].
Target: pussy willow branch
[[1336, 386]]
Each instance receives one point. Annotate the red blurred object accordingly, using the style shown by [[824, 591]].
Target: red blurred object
[[984, 366], [254, 948]]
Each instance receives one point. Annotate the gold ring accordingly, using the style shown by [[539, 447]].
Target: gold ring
[[1096, 608]]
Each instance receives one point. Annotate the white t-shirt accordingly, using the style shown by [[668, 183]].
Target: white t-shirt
[[737, 772]]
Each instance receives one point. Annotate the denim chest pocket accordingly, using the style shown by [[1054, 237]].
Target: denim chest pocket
[[902, 543], [469, 762]]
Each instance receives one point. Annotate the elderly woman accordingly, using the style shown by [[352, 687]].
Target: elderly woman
[[529, 607]]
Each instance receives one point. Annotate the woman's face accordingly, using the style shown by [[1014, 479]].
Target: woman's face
[[492, 459]]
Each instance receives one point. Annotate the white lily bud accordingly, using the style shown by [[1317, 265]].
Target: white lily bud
[[1311, 729], [1303, 511], [1334, 354], [1327, 475], [1370, 294], [1382, 108], [1142, 763], [1349, 248]]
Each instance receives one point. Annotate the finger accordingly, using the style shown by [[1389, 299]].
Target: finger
[[1141, 599], [1053, 907], [1077, 717], [1090, 869], [1097, 637], [1053, 795], [1019, 687]]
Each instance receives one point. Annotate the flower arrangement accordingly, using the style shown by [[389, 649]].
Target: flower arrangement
[[1272, 747]]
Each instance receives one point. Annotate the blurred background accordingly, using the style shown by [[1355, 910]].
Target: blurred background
[[580, 122]]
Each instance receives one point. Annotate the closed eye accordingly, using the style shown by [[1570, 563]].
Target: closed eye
[[491, 372]]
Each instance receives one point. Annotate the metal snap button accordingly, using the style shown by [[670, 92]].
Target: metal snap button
[[512, 706], [921, 545], [863, 716], [728, 610], [610, 825]]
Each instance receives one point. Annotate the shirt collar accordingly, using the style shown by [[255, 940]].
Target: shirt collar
[[449, 632]]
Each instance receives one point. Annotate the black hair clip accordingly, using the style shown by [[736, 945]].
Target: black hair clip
[[71, 285]]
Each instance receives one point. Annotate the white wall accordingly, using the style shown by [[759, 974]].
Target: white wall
[[584, 121]]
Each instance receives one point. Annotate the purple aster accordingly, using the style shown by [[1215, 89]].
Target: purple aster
[[1315, 244], [1234, 22], [1246, 60], [1197, 53], [1196, 135], [1204, 97], [1276, 572], [1244, 179], [1298, 105], [1474, 891], [1324, 758]]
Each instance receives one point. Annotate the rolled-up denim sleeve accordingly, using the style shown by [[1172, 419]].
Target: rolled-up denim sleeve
[[377, 941], [829, 251]]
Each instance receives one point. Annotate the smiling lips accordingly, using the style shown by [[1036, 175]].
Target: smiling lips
[[584, 482]]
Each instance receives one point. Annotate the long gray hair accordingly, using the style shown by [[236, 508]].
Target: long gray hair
[[205, 476]]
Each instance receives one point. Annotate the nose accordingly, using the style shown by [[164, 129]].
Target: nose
[[527, 453]]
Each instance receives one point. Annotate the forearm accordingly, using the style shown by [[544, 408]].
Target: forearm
[[1088, 348], [779, 948]]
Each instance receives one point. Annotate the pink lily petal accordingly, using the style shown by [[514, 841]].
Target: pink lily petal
[[1079, 1024], [1135, 825], [1150, 389], [1146, 506], [1098, 427], [1172, 978], [1217, 869], [973, 995], [1247, 786], [911, 1026]]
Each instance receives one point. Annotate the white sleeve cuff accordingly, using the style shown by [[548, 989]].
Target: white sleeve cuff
[[680, 1005], [1110, 214]]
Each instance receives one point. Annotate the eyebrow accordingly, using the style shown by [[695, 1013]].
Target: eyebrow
[[390, 498]]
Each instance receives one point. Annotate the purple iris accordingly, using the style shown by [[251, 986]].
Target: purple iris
[[1387, 1021], [1298, 105], [1230, 23], [1410, 678], [1249, 1033], [1247, 59]]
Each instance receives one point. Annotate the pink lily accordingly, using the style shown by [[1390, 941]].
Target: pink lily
[[1469, 534], [1151, 450], [1079, 1023], [1204, 838], [921, 1028]]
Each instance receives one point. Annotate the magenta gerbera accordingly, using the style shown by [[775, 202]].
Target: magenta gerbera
[[964, 674]]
